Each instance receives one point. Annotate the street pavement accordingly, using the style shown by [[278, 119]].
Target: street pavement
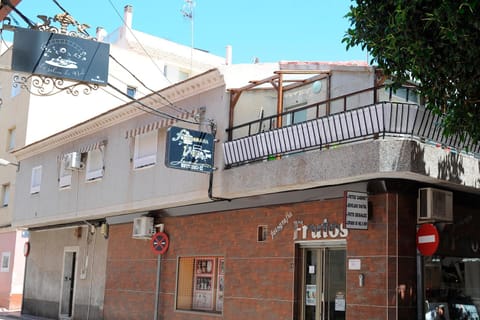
[[12, 315]]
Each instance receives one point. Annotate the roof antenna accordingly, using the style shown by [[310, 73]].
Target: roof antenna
[[187, 12]]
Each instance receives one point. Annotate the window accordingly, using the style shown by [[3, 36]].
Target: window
[[36, 180], [94, 164], [262, 233], [200, 284], [5, 263], [15, 86], [403, 94], [131, 91], [11, 139], [65, 179], [5, 194], [145, 149]]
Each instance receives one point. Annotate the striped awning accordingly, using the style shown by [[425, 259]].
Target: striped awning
[[159, 124], [93, 146], [85, 149]]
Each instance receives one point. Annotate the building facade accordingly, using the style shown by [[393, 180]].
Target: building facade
[[312, 212], [24, 111]]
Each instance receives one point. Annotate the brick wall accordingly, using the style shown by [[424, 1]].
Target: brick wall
[[259, 276]]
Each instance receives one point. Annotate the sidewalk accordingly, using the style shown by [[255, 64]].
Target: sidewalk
[[10, 315]]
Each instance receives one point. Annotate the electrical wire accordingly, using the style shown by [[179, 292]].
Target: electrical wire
[[20, 14], [133, 34], [150, 109], [145, 108], [170, 104]]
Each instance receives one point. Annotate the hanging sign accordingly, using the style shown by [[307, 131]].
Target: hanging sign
[[60, 56], [189, 150], [356, 210]]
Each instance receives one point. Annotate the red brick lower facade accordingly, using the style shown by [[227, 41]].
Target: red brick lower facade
[[263, 279]]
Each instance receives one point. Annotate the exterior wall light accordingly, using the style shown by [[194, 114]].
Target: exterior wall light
[[4, 162]]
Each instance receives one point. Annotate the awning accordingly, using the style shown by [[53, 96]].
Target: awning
[[93, 146], [85, 149], [159, 124]]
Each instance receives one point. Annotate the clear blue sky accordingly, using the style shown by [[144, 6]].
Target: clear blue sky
[[304, 30]]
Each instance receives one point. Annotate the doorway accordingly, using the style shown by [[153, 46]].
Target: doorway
[[323, 283], [68, 282]]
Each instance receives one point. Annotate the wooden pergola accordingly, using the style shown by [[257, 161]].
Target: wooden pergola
[[279, 82]]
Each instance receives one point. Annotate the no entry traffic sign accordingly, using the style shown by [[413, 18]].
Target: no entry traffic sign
[[427, 239], [160, 243]]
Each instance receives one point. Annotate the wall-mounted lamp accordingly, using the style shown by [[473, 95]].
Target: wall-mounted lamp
[[4, 162]]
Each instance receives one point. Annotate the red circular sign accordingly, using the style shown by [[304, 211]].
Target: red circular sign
[[427, 239], [160, 243]]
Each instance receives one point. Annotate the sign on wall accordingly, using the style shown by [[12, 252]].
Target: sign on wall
[[189, 150], [60, 56], [356, 210]]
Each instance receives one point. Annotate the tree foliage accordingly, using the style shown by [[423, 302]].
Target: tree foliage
[[433, 42]]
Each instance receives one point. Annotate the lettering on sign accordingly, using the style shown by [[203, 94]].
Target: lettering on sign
[[324, 230], [356, 210], [189, 150], [281, 224]]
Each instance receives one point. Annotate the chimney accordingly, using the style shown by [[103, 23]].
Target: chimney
[[101, 34], [128, 15], [228, 55]]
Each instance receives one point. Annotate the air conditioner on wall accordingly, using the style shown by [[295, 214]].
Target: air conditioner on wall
[[143, 228], [434, 205], [72, 161]]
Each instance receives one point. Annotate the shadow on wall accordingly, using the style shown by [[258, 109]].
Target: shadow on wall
[[418, 159], [451, 168]]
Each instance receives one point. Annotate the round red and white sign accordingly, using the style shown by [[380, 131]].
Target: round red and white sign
[[427, 239], [159, 243]]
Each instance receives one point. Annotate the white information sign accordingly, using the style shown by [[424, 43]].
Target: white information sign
[[354, 264], [356, 210]]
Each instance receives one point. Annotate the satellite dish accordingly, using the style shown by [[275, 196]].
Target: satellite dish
[[317, 86]]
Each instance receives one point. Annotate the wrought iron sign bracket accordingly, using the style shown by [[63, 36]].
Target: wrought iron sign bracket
[[46, 85]]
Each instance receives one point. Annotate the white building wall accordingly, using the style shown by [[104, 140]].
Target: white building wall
[[121, 189]]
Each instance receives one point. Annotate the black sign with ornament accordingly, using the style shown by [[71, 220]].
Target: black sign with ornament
[[60, 56], [189, 150]]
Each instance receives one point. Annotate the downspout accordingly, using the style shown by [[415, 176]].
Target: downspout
[[213, 130]]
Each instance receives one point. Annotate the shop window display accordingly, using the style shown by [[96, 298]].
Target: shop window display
[[452, 288], [200, 284]]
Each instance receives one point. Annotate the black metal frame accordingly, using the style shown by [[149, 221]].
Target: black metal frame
[[383, 119]]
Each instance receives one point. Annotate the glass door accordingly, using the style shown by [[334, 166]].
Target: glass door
[[323, 284]]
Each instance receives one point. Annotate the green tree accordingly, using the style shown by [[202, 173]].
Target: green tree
[[436, 43]]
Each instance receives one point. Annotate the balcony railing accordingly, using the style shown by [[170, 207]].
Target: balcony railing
[[374, 121]]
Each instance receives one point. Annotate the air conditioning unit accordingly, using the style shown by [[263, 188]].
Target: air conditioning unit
[[72, 161], [434, 205], [143, 228]]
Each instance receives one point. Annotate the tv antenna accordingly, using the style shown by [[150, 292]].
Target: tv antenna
[[187, 12]]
